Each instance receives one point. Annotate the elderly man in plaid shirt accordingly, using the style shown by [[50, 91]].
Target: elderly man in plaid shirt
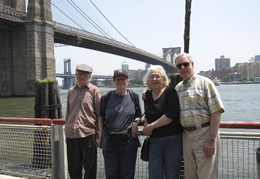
[[201, 109]]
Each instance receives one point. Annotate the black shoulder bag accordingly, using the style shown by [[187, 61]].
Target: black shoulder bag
[[145, 149]]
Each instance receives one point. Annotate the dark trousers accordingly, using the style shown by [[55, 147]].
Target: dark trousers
[[120, 165], [82, 152]]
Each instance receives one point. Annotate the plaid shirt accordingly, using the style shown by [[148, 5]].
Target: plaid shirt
[[199, 98]]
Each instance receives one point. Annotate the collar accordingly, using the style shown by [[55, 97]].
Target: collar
[[86, 86], [189, 82]]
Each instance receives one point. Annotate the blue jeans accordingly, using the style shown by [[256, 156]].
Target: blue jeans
[[165, 157]]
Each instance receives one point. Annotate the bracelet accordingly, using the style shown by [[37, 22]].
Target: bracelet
[[136, 121]]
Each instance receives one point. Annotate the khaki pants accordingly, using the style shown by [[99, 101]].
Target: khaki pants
[[196, 164]]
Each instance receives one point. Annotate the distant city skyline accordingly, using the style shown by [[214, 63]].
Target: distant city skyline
[[61, 70]]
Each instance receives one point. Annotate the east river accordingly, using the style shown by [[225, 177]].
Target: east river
[[241, 103]]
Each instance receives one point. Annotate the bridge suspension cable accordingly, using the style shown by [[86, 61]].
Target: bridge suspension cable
[[84, 15], [81, 12], [111, 23], [67, 16]]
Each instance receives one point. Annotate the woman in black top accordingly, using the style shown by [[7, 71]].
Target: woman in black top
[[162, 124]]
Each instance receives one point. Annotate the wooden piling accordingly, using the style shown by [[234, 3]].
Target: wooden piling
[[47, 105]]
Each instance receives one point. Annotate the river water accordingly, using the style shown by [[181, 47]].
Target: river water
[[241, 103]]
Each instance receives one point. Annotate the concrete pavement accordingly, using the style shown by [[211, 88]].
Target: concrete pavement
[[9, 177]]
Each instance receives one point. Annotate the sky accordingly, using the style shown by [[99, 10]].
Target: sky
[[217, 27]]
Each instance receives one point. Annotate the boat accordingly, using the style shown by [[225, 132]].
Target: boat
[[216, 82]]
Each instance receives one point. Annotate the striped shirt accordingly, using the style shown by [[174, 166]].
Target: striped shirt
[[82, 111], [199, 99]]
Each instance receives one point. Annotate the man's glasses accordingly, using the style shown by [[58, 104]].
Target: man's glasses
[[82, 73], [187, 64]]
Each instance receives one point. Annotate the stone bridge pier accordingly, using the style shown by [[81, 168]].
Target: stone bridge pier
[[26, 48]]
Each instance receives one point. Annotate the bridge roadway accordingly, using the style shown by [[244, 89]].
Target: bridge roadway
[[68, 35], [72, 36]]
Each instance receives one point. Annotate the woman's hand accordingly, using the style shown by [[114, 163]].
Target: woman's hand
[[148, 129]]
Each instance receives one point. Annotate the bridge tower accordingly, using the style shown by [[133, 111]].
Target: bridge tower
[[40, 40], [171, 52], [27, 50], [68, 81]]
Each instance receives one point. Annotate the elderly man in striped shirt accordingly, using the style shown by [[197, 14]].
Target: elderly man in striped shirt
[[201, 109]]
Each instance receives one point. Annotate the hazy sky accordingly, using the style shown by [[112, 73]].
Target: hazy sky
[[218, 27]]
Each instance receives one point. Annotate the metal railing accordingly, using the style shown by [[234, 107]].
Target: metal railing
[[38, 151]]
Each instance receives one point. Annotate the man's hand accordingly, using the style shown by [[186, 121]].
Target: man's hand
[[134, 129], [209, 148], [144, 95]]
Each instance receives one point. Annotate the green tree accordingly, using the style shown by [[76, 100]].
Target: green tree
[[242, 79], [225, 78], [137, 81]]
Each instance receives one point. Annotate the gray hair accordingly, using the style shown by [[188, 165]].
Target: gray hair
[[184, 54], [159, 69]]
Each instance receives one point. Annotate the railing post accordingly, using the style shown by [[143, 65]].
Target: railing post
[[58, 152], [258, 161]]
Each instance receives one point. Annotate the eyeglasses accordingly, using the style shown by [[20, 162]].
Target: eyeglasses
[[156, 77], [120, 79], [186, 64], [82, 73]]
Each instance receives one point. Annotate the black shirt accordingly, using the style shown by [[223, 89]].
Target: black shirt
[[168, 104]]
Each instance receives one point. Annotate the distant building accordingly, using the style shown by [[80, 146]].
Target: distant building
[[205, 73], [234, 76], [220, 74], [248, 70], [222, 63], [134, 74], [147, 65], [256, 79], [257, 58], [125, 66]]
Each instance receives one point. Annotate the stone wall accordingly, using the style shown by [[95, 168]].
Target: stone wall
[[26, 51]]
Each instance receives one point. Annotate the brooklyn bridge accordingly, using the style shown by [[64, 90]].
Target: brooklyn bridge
[[27, 38]]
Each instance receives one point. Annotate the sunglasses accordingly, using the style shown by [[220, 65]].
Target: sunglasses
[[187, 64]]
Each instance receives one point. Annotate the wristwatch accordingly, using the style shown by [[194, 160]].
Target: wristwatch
[[211, 140]]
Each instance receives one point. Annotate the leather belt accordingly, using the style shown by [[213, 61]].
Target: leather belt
[[199, 126]]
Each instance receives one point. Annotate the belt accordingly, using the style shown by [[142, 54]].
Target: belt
[[199, 126]]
